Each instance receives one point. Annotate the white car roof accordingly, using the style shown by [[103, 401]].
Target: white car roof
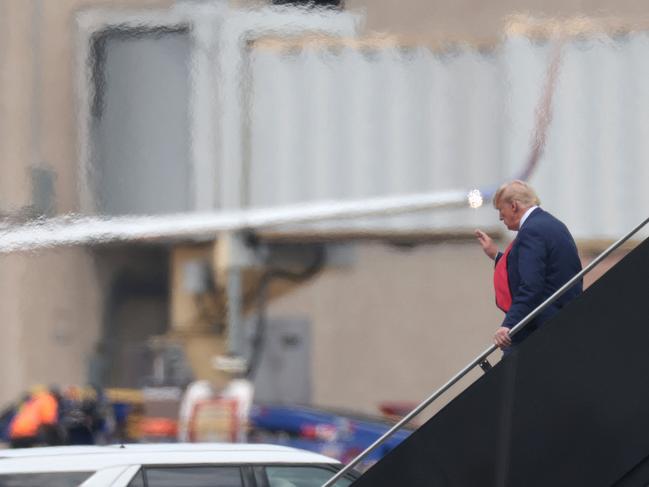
[[91, 458]]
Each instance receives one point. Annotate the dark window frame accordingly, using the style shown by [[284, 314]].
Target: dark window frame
[[97, 54]]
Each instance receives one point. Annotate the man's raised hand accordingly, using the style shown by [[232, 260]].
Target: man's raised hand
[[488, 245]]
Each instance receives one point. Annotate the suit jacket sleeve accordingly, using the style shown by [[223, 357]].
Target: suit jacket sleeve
[[531, 269]]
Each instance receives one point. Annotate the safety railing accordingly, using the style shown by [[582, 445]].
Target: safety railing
[[480, 360]]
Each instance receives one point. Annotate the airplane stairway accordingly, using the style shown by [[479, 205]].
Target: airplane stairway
[[570, 407]]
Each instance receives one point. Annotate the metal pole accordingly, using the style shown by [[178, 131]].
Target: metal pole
[[478, 360], [234, 311]]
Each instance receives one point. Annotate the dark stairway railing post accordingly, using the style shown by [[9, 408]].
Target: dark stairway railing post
[[480, 359]]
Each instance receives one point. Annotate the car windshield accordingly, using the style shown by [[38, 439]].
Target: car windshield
[[282, 476], [194, 476]]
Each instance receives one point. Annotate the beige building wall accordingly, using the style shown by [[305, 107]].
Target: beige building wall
[[397, 324], [50, 303], [50, 308], [15, 104]]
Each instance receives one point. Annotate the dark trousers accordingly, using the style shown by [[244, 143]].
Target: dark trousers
[[23, 442]]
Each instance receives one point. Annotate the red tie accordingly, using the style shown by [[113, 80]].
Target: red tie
[[501, 282]]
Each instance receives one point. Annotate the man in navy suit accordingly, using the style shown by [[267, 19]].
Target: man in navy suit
[[541, 259]]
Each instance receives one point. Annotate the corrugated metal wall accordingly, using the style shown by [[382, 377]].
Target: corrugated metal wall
[[341, 122], [595, 168], [350, 119], [330, 122]]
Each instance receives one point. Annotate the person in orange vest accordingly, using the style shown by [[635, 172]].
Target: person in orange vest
[[23, 429], [48, 407], [36, 421]]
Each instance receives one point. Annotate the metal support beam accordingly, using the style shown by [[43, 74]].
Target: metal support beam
[[234, 312]]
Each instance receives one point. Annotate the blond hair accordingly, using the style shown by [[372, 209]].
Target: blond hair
[[516, 191]]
